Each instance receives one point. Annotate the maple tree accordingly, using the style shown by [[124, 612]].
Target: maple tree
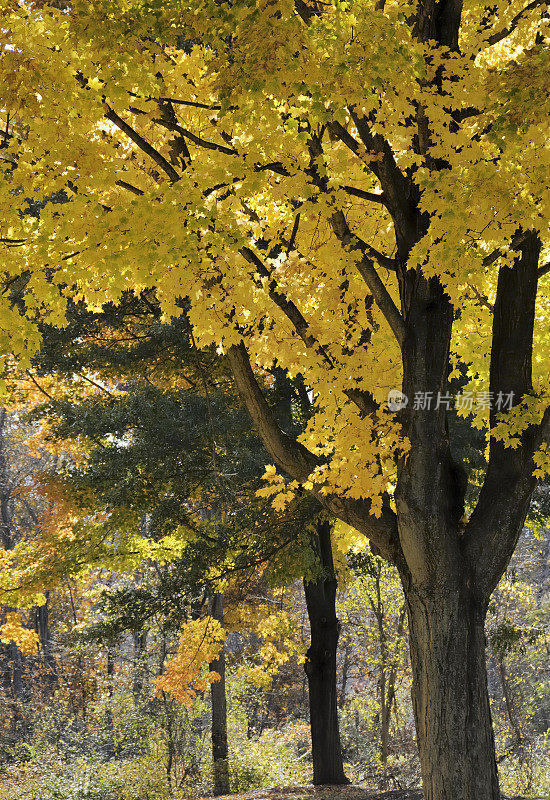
[[354, 190]]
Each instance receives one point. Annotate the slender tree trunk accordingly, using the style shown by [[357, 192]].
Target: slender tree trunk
[[508, 702], [111, 745], [390, 695], [384, 731], [345, 669], [139, 648], [320, 667], [450, 696], [220, 751], [386, 716], [44, 634]]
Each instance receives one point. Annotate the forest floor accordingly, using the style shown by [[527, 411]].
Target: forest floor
[[332, 793], [323, 793]]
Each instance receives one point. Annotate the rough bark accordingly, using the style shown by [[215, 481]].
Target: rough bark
[[320, 667], [220, 753], [450, 696]]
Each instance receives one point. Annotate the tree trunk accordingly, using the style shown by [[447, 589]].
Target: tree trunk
[[111, 743], [390, 695], [385, 715], [344, 684], [139, 648], [220, 752], [509, 703], [42, 616], [320, 667], [450, 696]]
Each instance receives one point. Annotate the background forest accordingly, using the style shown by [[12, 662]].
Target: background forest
[[139, 538]]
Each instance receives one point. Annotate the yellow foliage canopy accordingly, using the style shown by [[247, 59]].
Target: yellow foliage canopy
[[187, 674], [280, 168], [13, 630]]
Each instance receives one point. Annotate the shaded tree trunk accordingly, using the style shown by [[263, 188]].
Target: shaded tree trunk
[[220, 753], [345, 670], [111, 744], [320, 667], [139, 649], [450, 696], [389, 677], [508, 702], [42, 622]]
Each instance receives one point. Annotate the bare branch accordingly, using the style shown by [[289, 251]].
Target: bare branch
[[191, 103], [305, 11], [12, 242], [384, 300], [366, 269], [179, 151], [380, 258], [40, 389], [395, 186], [351, 243], [290, 455], [274, 166], [362, 399], [481, 298], [293, 234]]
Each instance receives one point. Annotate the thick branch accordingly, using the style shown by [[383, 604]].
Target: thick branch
[[179, 152], [299, 462], [366, 269], [496, 522], [395, 186], [305, 11], [287, 306], [290, 455], [439, 21], [362, 399], [352, 243], [12, 242], [191, 103]]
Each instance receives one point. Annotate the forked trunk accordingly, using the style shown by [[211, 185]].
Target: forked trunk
[[450, 696], [320, 667]]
